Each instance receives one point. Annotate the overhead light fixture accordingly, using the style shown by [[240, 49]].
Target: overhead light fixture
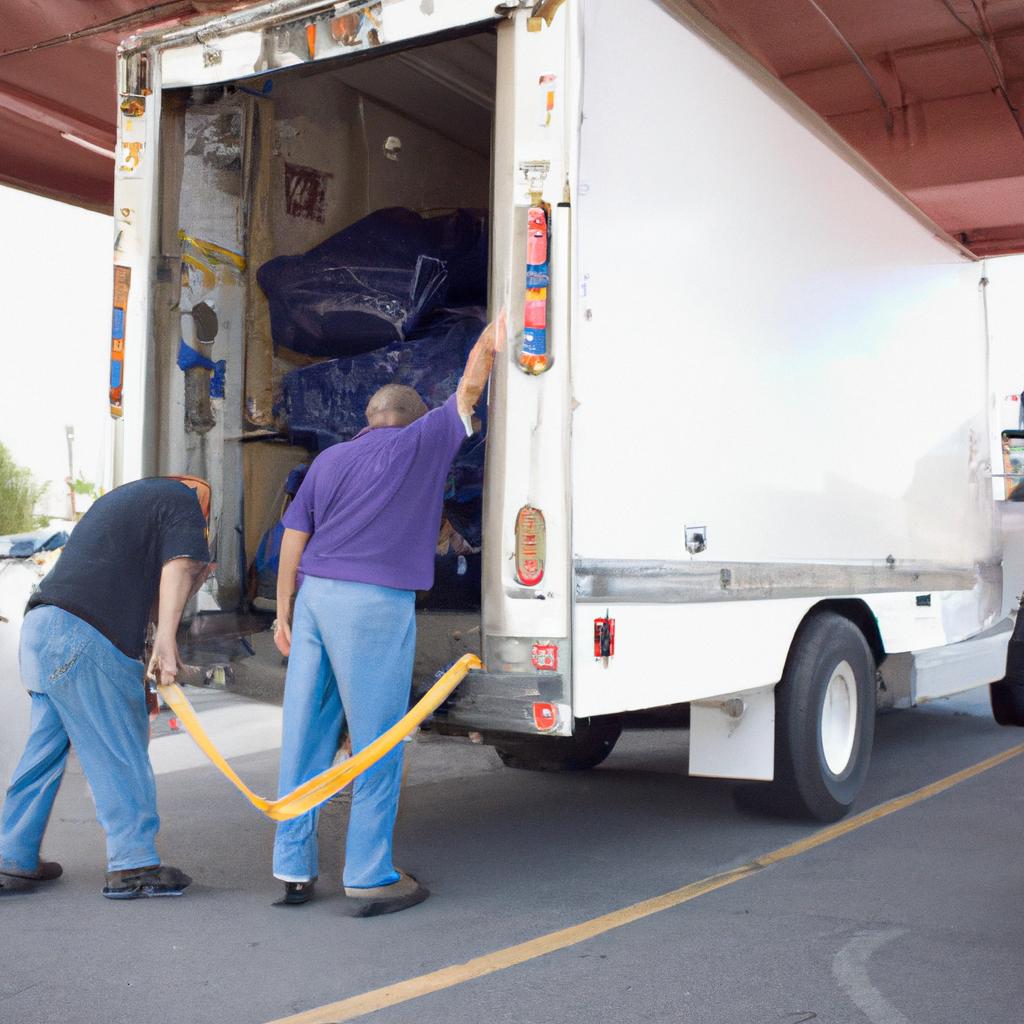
[[91, 146]]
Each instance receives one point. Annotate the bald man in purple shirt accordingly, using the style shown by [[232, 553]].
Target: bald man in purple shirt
[[363, 529]]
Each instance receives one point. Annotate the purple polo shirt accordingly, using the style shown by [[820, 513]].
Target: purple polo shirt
[[373, 504]]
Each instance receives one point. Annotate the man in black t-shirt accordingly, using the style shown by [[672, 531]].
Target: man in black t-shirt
[[141, 546]]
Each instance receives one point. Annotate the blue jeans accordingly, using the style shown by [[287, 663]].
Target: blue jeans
[[351, 659], [86, 692]]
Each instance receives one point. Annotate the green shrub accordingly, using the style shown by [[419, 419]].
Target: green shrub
[[82, 486], [18, 495]]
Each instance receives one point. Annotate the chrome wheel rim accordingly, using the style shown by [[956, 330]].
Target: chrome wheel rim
[[839, 718]]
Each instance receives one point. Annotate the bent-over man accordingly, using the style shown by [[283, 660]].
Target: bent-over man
[[81, 645], [364, 526]]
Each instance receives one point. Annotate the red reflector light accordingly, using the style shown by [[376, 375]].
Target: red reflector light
[[545, 657], [531, 545], [545, 716], [604, 638]]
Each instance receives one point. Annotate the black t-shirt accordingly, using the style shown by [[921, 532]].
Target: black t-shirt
[[109, 571]]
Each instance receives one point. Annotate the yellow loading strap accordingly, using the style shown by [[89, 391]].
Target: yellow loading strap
[[212, 252], [323, 786]]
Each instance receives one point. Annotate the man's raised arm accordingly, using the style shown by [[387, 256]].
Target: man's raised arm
[[478, 365]]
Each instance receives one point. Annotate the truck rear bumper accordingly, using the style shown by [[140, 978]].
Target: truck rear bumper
[[503, 702]]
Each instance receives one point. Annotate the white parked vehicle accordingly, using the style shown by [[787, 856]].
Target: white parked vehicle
[[25, 559], [744, 453]]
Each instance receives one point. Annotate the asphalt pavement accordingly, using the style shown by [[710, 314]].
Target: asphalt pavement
[[916, 918]]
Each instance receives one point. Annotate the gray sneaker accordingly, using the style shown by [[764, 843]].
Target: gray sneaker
[[385, 899], [141, 883]]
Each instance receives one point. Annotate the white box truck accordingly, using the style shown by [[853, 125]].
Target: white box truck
[[743, 453]]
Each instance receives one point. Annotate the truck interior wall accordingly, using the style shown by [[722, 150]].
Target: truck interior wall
[[167, 409], [200, 180], [330, 130], [276, 174], [328, 168], [336, 134]]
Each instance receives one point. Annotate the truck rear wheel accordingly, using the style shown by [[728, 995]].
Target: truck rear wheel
[[1007, 702], [1007, 695], [591, 742], [825, 719]]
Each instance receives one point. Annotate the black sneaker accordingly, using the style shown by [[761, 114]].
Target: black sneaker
[[296, 893], [141, 883], [12, 885]]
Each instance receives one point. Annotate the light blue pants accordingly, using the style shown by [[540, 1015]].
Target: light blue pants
[[351, 659], [86, 692]]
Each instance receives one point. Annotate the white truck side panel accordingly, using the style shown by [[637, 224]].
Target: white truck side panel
[[670, 653], [770, 347]]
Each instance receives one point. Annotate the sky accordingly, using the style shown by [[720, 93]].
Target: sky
[[55, 294]]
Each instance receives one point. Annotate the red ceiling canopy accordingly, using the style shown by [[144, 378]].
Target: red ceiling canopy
[[67, 86], [929, 91]]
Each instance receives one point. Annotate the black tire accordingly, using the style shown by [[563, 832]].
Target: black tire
[[1007, 702], [591, 742], [804, 784], [1007, 695]]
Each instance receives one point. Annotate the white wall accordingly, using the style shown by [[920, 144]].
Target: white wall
[[55, 295], [1006, 334]]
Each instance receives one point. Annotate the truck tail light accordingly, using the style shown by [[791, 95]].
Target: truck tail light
[[531, 546], [524, 655], [604, 638]]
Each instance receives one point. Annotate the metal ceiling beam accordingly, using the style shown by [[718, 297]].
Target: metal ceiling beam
[[904, 52], [53, 115], [988, 45], [860, 62]]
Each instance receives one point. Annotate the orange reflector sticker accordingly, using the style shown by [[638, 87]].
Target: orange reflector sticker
[[531, 545], [545, 717]]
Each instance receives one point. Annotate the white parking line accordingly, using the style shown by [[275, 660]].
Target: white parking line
[[850, 968], [237, 729]]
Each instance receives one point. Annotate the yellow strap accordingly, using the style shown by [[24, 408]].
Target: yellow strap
[[209, 277], [212, 252], [323, 786]]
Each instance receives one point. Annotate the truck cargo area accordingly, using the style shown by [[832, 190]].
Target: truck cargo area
[[356, 194]]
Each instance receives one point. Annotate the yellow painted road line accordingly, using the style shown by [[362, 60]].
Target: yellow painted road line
[[479, 967]]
